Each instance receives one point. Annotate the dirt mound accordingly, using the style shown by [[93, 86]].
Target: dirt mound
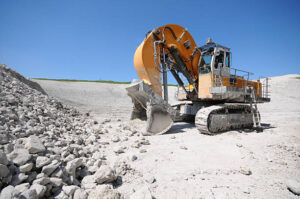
[[12, 73]]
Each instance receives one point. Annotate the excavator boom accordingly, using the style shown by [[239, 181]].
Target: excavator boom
[[181, 50]]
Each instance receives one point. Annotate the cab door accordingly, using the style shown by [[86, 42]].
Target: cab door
[[218, 62], [226, 65]]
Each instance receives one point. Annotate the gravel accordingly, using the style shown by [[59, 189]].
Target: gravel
[[45, 146]]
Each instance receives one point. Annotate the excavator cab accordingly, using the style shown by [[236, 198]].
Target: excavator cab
[[216, 59]]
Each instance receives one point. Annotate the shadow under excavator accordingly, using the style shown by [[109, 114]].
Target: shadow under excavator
[[180, 127], [260, 129]]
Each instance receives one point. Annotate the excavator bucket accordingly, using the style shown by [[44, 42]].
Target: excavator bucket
[[159, 121], [150, 106]]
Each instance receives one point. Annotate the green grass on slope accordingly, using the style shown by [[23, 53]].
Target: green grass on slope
[[96, 81], [75, 80], [297, 77]]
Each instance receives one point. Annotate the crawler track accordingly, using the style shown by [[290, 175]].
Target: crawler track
[[218, 118]]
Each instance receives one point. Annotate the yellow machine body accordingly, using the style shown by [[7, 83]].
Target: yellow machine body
[[207, 81]]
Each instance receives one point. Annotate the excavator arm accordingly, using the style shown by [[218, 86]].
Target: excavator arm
[[176, 47]]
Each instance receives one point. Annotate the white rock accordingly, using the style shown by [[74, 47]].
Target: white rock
[[80, 194], [104, 193], [115, 139], [41, 175], [92, 169], [19, 156], [69, 190], [118, 150], [7, 192], [183, 147], [72, 165], [42, 181], [42, 161], [91, 139], [26, 167], [97, 156], [105, 174], [69, 158], [50, 168], [29, 194], [245, 171], [143, 151], [136, 145], [40, 190], [97, 163], [239, 145], [144, 142], [34, 144], [88, 182], [22, 188], [58, 173], [57, 182]]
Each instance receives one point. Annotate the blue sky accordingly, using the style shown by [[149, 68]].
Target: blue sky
[[94, 39]]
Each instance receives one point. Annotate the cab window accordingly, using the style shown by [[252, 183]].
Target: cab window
[[205, 65], [219, 59], [207, 59], [227, 59]]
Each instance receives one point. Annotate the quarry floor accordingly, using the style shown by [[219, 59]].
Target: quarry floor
[[186, 164]]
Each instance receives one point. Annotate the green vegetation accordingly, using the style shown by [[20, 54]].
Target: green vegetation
[[96, 81], [172, 85], [297, 77], [75, 80]]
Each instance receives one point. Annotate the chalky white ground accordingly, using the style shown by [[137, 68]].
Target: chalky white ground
[[186, 164]]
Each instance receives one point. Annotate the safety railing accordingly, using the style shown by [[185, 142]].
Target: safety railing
[[242, 73], [235, 73], [265, 87], [217, 81], [264, 91]]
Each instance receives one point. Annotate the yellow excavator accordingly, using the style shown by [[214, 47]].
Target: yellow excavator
[[210, 92]]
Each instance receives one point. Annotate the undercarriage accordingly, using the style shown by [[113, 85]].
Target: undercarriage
[[210, 117]]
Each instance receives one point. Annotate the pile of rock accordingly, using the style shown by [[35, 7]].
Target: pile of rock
[[47, 150]]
